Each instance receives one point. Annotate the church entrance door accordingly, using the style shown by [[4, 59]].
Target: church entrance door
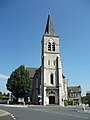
[[51, 99]]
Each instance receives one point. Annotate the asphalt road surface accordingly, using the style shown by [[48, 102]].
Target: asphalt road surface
[[44, 113], [8, 117]]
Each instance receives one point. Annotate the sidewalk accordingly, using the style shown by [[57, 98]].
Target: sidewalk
[[84, 111], [8, 105], [4, 113]]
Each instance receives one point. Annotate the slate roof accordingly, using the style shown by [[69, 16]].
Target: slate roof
[[49, 27], [32, 71], [74, 88]]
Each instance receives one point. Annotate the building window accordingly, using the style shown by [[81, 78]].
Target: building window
[[51, 79], [53, 46], [48, 62], [71, 94], [49, 46], [54, 62]]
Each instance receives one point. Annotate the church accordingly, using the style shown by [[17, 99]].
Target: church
[[48, 81]]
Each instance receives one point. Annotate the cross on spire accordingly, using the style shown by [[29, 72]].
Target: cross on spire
[[49, 11]]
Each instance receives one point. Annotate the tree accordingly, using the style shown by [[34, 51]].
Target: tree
[[19, 82], [88, 97], [84, 100], [0, 93]]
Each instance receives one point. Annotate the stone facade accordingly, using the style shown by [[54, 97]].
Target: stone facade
[[49, 85], [74, 93]]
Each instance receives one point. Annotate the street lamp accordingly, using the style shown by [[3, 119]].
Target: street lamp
[[67, 82]]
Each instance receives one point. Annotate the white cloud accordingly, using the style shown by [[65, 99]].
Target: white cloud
[[2, 76]]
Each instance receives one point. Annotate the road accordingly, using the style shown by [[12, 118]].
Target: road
[[44, 113]]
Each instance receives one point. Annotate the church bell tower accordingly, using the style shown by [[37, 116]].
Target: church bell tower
[[52, 87]]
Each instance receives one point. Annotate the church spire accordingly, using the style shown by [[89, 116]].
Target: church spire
[[49, 27]]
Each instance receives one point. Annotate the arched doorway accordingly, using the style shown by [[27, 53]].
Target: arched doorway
[[51, 99]]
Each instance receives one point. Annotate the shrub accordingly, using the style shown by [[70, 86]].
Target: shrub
[[72, 102], [65, 102]]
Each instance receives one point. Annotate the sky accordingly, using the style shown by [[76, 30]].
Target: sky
[[22, 25]]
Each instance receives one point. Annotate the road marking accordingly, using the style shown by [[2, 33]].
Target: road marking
[[13, 116], [85, 118], [77, 116], [69, 115]]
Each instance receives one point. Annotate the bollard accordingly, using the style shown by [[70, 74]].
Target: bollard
[[8, 102], [24, 103], [83, 107]]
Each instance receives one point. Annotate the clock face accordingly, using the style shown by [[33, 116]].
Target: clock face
[[51, 40]]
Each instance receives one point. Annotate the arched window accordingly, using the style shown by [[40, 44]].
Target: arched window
[[53, 46], [49, 46], [51, 79]]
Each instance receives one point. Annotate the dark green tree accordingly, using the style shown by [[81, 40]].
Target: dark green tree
[[88, 97], [19, 82], [84, 100], [0, 93]]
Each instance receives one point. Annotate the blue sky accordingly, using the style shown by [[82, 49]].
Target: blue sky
[[22, 24]]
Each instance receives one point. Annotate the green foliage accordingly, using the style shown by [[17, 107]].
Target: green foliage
[[0, 93], [88, 97], [3, 96], [72, 102], [84, 100], [19, 82], [65, 102]]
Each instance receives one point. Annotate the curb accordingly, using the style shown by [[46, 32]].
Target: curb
[[84, 111], [7, 105]]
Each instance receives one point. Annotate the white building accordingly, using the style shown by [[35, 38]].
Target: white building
[[49, 85]]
